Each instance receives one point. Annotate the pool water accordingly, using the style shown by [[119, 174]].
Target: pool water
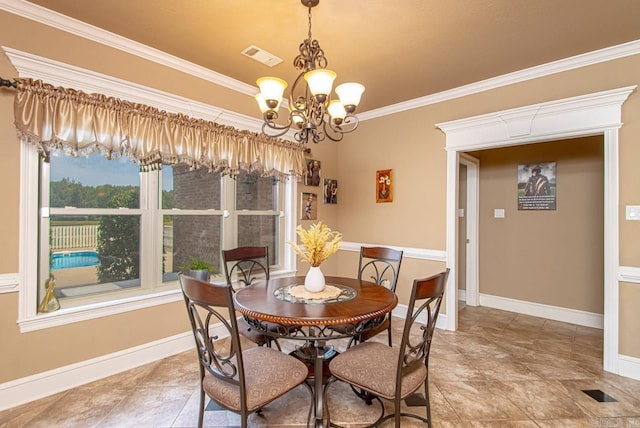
[[74, 259]]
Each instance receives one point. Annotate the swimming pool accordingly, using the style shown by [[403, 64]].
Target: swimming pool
[[74, 259]]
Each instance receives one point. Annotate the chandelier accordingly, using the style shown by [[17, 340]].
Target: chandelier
[[312, 112]]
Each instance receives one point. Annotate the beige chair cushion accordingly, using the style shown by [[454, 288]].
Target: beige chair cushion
[[269, 374], [372, 366]]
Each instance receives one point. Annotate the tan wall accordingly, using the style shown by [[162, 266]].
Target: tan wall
[[549, 257], [407, 142], [26, 354], [410, 143]]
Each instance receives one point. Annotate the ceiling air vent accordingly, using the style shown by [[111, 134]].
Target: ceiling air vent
[[261, 55]]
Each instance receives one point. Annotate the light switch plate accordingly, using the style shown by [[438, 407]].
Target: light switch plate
[[633, 212], [498, 213]]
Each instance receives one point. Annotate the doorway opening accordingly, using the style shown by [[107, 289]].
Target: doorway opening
[[592, 114]]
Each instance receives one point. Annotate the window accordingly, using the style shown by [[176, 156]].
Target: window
[[108, 231], [153, 283]]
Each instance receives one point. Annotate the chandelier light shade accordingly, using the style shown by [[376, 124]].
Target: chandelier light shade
[[313, 114]]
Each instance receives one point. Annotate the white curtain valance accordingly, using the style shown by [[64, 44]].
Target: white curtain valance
[[60, 118]]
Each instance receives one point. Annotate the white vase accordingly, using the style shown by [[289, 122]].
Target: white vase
[[314, 281]]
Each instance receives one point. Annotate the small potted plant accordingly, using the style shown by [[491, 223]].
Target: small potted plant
[[199, 269]]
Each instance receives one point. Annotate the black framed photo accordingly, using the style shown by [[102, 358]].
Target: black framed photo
[[312, 174], [309, 206], [537, 186], [330, 191]]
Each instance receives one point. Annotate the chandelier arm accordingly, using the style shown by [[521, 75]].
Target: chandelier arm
[[349, 124], [269, 120], [332, 132], [265, 127], [270, 125], [317, 114]]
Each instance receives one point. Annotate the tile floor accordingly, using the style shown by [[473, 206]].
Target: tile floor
[[500, 369]]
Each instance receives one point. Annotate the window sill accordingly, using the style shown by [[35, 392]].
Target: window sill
[[89, 312]]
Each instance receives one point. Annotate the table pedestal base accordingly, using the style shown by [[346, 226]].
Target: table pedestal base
[[316, 357]]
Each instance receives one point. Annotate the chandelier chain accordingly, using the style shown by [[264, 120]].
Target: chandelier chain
[[309, 33]]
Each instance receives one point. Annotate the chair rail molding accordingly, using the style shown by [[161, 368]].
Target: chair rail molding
[[629, 274], [9, 282], [413, 253], [583, 115]]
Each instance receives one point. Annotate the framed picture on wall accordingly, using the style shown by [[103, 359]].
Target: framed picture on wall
[[312, 174], [537, 186], [309, 206], [384, 185], [330, 191]]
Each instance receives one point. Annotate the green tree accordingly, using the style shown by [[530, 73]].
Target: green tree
[[119, 240]]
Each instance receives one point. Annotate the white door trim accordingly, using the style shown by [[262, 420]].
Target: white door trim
[[591, 114], [472, 294]]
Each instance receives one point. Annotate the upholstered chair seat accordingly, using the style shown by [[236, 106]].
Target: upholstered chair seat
[[268, 374], [373, 366]]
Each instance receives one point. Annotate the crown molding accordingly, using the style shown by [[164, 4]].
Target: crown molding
[[582, 60], [82, 29], [60, 74], [65, 23]]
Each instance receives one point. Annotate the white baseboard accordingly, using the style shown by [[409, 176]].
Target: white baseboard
[[401, 312], [629, 366], [573, 316], [30, 388]]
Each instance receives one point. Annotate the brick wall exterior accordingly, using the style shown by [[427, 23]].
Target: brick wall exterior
[[196, 235], [200, 235]]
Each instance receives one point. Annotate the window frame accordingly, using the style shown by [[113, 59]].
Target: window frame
[[28, 317]]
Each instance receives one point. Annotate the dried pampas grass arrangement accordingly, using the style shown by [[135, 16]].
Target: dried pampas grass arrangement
[[318, 243]]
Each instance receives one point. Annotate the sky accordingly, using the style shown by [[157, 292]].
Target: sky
[[96, 169]]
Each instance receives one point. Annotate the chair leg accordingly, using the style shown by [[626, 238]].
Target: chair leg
[[201, 412], [426, 398], [277, 344], [398, 415]]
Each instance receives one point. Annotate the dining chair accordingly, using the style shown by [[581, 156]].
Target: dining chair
[[243, 266], [242, 381], [382, 266], [394, 373]]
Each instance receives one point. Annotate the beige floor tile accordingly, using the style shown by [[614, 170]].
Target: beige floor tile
[[541, 399], [626, 404], [480, 401], [499, 369]]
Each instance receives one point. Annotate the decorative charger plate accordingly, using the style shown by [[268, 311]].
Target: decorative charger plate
[[296, 293]]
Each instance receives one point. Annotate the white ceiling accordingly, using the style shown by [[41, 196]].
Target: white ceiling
[[400, 50]]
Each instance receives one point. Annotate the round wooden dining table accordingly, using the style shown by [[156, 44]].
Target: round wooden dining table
[[269, 307]]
